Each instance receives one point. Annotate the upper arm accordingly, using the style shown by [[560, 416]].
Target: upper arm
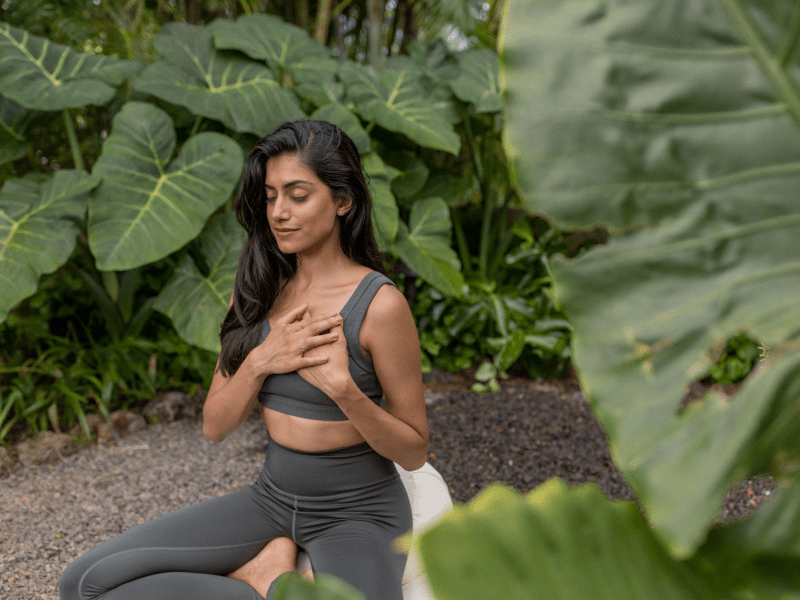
[[389, 333], [219, 380]]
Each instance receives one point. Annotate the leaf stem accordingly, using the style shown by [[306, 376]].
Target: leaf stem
[[461, 242], [74, 144], [196, 125], [785, 87], [792, 37], [488, 205]]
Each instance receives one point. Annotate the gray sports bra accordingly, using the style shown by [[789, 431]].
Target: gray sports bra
[[291, 394]]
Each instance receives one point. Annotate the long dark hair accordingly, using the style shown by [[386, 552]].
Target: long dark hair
[[263, 269]]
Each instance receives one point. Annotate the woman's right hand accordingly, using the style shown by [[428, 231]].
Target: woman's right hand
[[283, 349]]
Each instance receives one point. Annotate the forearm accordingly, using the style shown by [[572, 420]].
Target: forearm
[[386, 434], [227, 407]]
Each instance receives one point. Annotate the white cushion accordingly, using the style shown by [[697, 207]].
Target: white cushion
[[430, 499]]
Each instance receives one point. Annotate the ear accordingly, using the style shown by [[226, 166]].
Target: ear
[[345, 204]]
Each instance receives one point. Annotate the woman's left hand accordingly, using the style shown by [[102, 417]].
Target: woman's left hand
[[332, 377]]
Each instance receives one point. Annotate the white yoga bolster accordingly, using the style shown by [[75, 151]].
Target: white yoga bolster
[[430, 499]]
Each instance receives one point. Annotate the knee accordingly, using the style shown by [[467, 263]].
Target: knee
[[69, 584], [77, 583]]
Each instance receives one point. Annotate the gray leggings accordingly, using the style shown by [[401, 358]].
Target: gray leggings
[[343, 506]]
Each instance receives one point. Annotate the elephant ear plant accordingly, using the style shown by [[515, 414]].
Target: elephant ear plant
[[677, 126], [143, 221]]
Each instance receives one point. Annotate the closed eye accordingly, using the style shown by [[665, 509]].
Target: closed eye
[[298, 199]]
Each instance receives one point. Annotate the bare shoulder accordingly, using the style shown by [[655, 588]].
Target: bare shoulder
[[388, 302], [388, 318]]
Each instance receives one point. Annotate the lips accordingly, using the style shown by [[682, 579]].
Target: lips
[[284, 232]]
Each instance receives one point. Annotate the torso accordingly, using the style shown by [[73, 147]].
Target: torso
[[308, 434]]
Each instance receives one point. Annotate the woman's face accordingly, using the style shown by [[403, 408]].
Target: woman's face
[[301, 210]]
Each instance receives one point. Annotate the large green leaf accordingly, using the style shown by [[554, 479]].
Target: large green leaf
[[760, 554], [196, 299], [424, 245], [15, 121], [477, 83], [221, 85], [414, 174], [341, 117], [385, 214], [291, 586], [552, 543], [286, 48], [394, 99], [375, 167], [40, 217], [147, 206], [42, 75], [451, 186], [681, 119]]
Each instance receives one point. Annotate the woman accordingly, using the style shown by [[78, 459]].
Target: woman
[[317, 337]]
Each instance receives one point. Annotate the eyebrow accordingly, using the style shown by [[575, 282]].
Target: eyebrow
[[290, 184]]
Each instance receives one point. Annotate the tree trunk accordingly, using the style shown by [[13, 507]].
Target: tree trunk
[[408, 26], [302, 14], [191, 12], [323, 21], [374, 14], [390, 35]]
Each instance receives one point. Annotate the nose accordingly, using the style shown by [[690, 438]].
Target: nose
[[279, 208]]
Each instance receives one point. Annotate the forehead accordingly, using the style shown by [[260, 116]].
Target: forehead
[[286, 168]]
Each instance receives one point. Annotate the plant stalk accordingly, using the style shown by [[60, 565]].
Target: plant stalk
[[488, 205], [374, 15], [74, 144], [461, 242], [323, 21], [303, 14], [340, 7], [196, 125], [501, 235]]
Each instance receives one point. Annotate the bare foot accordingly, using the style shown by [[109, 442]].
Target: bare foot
[[278, 556], [308, 574]]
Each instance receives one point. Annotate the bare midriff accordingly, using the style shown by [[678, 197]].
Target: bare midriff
[[309, 435]]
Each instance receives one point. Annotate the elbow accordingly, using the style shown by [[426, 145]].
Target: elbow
[[413, 466], [214, 436], [409, 465], [415, 461]]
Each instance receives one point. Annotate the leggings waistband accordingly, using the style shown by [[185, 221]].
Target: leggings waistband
[[328, 472]]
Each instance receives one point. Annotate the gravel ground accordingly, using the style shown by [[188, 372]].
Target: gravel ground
[[522, 435]]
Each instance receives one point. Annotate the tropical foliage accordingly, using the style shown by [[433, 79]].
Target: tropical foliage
[[155, 146], [676, 125]]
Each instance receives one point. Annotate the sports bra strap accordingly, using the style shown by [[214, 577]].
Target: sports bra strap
[[355, 310]]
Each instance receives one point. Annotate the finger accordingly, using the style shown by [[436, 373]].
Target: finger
[[312, 361], [325, 324], [319, 340], [294, 314]]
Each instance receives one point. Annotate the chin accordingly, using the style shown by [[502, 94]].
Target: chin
[[288, 248]]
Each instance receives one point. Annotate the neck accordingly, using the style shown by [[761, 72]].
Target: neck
[[321, 266]]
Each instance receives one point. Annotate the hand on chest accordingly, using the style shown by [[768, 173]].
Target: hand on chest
[[323, 303]]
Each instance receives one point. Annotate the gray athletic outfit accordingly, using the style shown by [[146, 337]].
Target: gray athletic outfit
[[343, 506]]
